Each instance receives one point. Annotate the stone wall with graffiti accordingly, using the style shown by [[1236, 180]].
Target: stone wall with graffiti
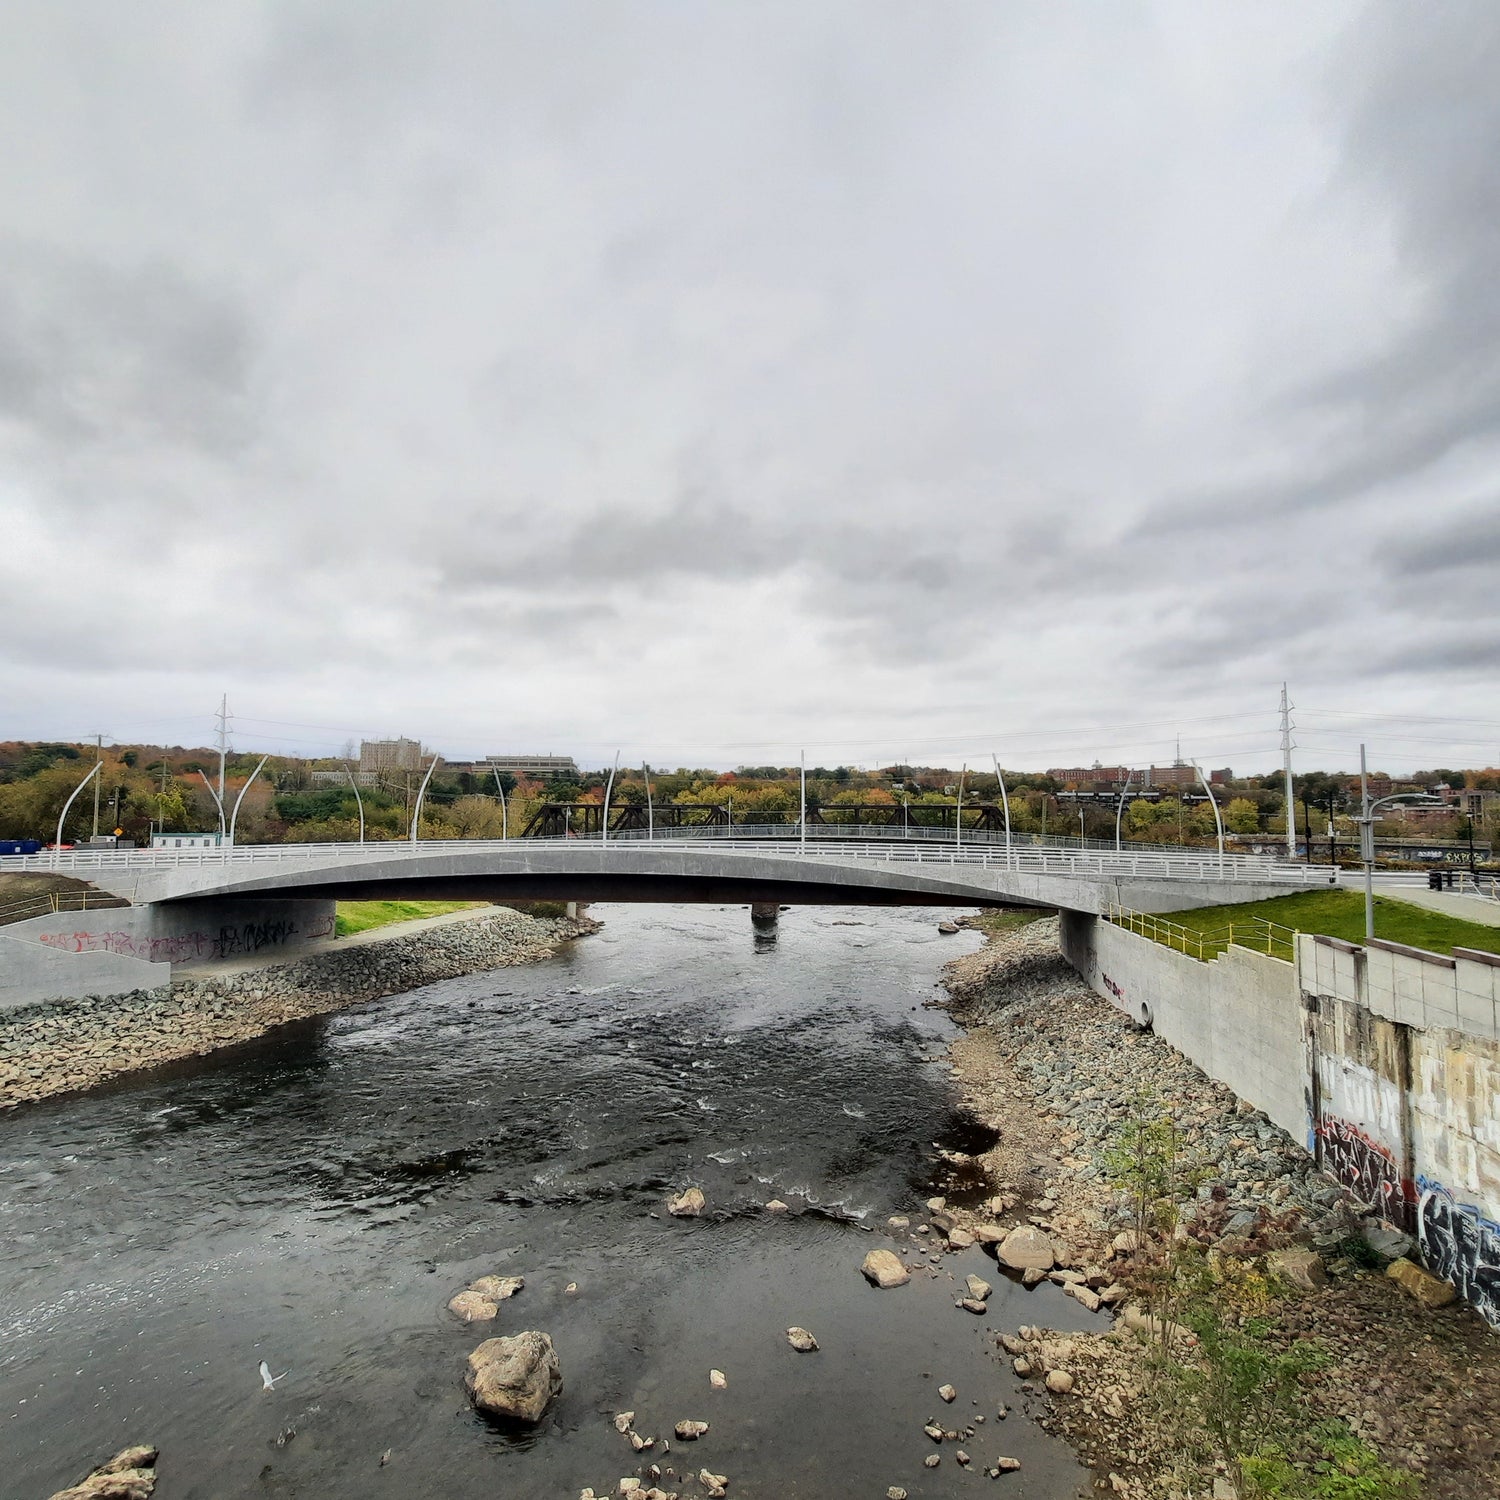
[[1408, 1118], [1384, 1061], [70, 954]]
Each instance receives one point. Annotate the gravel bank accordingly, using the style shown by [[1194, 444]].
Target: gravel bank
[[76, 1044], [1055, 1069]]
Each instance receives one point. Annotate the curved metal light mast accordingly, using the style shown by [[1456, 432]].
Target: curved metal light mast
[[504, 816], [98, 766], [609, 786], [234, 816], [650, 816], [1004, 803], [217, 803], [803, 825], [416, 817], [958, 811], [1120, 809], [1213, 802], [360, 801]]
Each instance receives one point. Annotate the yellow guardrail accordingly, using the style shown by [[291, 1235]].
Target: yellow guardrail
[[1254, 933], [56, 901]]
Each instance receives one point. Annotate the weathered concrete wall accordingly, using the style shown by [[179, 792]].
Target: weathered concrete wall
[[30, 972], [1404, 984], [1409, 1118], [1239, 1018], [1384, 1060], [118, 949]]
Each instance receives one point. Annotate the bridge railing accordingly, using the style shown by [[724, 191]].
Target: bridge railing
[[1205, 944], [1136, 862]]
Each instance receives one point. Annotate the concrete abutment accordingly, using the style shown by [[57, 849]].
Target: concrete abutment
[[1383, 1061]]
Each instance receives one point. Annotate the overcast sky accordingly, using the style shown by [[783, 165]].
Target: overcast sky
[[708, 380]]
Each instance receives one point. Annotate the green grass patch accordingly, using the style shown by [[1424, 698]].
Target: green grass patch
[[997, 921], [1341, 914], [361, 916]]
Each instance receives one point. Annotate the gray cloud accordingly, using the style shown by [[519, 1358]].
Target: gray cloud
[[497, 369]]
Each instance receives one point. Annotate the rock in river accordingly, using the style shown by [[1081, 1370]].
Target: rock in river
[[979, 1288], [884, 1268], [690, 1431], [129, 1475], [514, 1377], [1026, 1248], [497, 1288], [801, 1340], [687, 1205], [472, 1307]]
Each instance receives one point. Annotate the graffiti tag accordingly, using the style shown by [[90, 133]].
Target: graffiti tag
[[229, 941], [1368, 1170], [1459, 1244]]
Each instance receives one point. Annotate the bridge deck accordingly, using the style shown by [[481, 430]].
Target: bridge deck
[[737, 869]]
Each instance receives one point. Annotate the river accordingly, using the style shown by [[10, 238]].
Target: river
[[314, 1198]]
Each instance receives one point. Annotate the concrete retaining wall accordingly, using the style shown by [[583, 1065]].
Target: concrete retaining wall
[[1384, 1060], [30, 972], [1239, 1018], [115, 950]]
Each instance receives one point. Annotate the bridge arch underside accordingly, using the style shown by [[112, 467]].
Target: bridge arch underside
[[669, 875]]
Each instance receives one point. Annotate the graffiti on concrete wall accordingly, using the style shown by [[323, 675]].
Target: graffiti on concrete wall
[[1367, 1169], [1459, 1244], [230, 940]]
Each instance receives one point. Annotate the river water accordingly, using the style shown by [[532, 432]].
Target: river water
[[313, 1199]]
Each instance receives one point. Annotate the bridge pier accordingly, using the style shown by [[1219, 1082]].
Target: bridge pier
[[764, 915]]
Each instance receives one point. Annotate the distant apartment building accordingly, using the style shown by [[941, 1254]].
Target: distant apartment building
[[531, 767], [1112, 777], [385, 756], [1181, 774]]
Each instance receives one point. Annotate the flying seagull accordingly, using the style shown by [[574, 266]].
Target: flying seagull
[[267, 1379]]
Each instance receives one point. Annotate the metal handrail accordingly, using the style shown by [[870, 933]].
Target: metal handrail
[[56, 901], [1255, 933]]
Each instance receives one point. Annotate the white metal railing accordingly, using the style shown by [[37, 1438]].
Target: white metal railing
[[1161, 863]]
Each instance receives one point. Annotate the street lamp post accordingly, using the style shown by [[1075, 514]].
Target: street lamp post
[[802, 836], [359, 802], [416, 817], [958, 812], [63, 816], [1120, 810], [609, 787], [504, 815], [218, 802], [1004, 804], [1366, 821], [234, 816], [1213, 803]]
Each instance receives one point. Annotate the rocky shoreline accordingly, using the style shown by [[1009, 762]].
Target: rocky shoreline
[[72, 1045], [1061, 1074]]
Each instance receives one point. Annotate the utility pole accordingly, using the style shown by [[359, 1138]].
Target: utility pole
[[98, 761], [1367, 844], [1286, 767]]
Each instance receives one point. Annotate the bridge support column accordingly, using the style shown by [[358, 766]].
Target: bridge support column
[[763, 915], [570, 910]]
